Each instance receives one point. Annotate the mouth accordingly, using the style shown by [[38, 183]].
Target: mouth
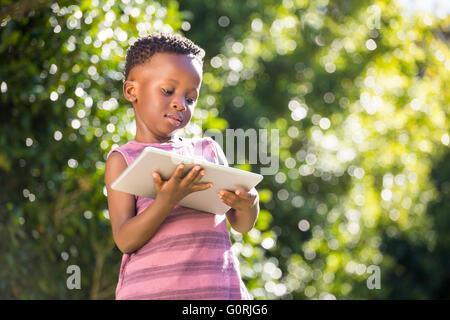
[[175, 120]]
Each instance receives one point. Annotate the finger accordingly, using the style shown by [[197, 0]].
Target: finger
[[201, 186], [178, 172], [193, 174], [234, 200], [227, 201], [228, 196], [242, 194], [199, 176], [157, 179], [226, 193]]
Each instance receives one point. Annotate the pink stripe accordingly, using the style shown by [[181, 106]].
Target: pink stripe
[[187, 215], [205, 223], [185, 241], [161, 257], [183, 270], [209, 293]]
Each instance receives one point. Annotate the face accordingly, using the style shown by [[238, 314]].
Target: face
[[162, 90]]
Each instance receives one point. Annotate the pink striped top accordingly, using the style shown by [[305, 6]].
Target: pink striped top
[[190, 256]]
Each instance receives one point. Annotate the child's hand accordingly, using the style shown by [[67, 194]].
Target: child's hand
[[240, 200], [178, 187]]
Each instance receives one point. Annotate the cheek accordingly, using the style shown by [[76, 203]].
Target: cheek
[[147, 92], [147, 95], [189, 114], [153, 101]]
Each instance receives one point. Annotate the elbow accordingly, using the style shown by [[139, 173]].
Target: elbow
[[122, 241], [125, 250], [242, 228], [123, 247], [246, 230]]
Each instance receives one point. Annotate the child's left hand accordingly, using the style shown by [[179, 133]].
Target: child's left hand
[[240, 199]]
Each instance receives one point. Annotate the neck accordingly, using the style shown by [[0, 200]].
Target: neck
[[140, 138]]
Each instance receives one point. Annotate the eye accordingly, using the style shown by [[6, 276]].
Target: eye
[[190, 101], [167, 92]]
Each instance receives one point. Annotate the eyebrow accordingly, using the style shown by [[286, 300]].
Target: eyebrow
[[176, 81]]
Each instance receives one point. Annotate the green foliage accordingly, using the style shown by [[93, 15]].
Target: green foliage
[[361, 101], [358, 91]]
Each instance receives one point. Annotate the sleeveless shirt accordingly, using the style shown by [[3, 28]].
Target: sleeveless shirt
[[190, 255]]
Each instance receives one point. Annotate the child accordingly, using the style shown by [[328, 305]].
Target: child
[[170, 251]]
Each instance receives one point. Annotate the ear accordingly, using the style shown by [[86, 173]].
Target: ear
[[130, 90]]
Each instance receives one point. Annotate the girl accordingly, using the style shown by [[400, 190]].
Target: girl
[[170, 251]]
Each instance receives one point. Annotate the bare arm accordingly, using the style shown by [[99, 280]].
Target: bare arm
[[130, 231], [245, 209], [244, 204], [136, 231]]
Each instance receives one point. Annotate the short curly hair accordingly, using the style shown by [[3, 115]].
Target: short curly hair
[[144, 48]]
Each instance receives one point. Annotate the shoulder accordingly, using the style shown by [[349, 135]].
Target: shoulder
[[203, 143], [207, 148], [115, 165], [127, 152], [116, 157], [205, 139], [216, 150], [117, 160]]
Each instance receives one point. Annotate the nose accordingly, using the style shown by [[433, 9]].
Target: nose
[[178, 105]]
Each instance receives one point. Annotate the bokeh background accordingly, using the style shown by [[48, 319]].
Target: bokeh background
[[359, 91]]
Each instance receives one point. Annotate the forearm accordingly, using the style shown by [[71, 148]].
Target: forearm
[[137, 231], [243, 221]]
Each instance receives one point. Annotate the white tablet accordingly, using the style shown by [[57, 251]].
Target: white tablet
[[137, 179]]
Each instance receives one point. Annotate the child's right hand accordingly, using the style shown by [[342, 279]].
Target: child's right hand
[[178, 187]]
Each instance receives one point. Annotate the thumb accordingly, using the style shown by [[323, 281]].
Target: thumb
[[157, 179]]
